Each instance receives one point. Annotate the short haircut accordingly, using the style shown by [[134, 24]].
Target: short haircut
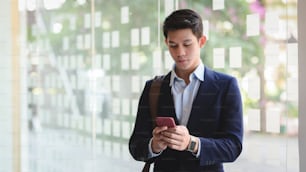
[[184, 19]]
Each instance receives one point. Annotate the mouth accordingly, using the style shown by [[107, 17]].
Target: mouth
[[182, 61]]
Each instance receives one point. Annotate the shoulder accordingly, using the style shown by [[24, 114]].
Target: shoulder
[[159, 78], [213, 75], [221, 81]]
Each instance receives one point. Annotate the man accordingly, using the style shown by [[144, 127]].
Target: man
[[205, 104]]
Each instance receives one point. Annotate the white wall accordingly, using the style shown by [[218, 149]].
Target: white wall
[[5, 88], [302, 82]]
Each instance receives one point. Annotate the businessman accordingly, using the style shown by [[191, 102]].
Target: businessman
[[206, 106]]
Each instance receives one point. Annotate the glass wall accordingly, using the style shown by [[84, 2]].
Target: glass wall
[[88, 62]]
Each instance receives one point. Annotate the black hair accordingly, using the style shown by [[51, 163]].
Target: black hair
[[184, 19]]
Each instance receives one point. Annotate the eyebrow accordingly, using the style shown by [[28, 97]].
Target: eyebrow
[[185, 41]]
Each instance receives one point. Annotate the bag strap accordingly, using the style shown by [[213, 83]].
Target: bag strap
[[154, 93]]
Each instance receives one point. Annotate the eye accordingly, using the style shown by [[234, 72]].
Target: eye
[[187, 45], [172, 45]]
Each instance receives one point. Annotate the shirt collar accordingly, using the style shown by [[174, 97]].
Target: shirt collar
[[198, 73]]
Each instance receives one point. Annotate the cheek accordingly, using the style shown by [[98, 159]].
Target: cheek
[[191, 51], [195, 50], [173, 51]]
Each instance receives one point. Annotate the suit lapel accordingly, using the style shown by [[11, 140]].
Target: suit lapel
[[166, 103], [205, 97]]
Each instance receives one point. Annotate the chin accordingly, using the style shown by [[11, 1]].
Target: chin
[[184, 68]]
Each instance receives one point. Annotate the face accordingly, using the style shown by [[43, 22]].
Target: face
[[184, 48]]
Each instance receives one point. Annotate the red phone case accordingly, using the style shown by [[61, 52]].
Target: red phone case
[[165, 121]]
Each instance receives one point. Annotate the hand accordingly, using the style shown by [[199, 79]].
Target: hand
[[158, 144], [176, 138]]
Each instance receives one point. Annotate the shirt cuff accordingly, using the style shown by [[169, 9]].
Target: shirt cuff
[[151, 153]]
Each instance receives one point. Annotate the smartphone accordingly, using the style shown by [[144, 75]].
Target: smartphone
[[165, 121]]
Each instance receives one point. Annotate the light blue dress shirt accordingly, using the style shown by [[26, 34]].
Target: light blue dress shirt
[[183, 96]]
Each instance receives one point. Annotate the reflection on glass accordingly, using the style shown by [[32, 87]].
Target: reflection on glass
[[253, 40]]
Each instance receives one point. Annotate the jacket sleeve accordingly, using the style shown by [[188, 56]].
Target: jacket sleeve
[[225, 145], [142, 132]]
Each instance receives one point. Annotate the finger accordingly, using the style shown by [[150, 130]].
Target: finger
[[160, 129], [169, 141], [171, 135]]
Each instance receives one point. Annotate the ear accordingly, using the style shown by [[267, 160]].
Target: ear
[[202, 41]]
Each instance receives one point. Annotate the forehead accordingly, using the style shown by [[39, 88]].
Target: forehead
[[180, 35]]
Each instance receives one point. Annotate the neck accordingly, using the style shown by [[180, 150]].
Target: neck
[[184, 75]]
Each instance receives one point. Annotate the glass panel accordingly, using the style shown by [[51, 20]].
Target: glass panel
[[260, 49], [88, 64]]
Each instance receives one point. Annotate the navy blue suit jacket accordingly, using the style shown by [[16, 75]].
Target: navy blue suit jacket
[[216, 118]]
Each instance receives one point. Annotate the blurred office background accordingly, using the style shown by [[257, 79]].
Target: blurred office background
[[72, 72]]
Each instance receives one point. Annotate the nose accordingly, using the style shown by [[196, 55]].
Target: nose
[[180, 51]]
